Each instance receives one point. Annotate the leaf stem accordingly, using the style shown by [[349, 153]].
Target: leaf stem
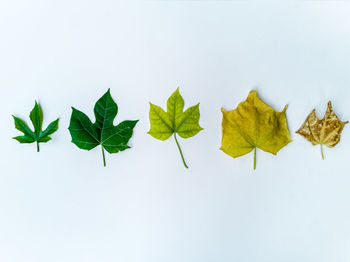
[[322, 152], [254, 158], [37, 146], [177, 143], [103, 156]]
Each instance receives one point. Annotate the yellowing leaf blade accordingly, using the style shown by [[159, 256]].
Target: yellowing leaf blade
[[161, 125], [271, 145], [253, 124], [234, 142], [187, 125], [175, 106]]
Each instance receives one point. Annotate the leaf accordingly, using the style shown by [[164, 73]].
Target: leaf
[[87, 135], [254, 124], [174, 121], [323, 132], [38, 136]]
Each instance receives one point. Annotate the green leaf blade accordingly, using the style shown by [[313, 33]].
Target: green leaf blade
[[36, 116], [24, 139], [44, 139], [87, 135], [116, 138], [23, 127], [105, 111], [82, 131], [51, 128]]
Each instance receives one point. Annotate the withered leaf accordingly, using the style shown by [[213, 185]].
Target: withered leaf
[[323, 132]]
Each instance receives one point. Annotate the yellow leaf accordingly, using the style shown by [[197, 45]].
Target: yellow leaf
[[323, 132], [253, 124]]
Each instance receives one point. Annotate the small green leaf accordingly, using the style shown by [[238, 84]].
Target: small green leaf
[[38, 136], [87, 135], [174, 121]]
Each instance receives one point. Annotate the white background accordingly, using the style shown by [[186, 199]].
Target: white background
[[61, 205]]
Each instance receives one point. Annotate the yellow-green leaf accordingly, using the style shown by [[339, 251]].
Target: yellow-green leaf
[[175, 106], [174, 121], [161, 125], [187, 124], [253, 124]]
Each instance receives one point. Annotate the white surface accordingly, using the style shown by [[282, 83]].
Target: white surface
[[61, 205]]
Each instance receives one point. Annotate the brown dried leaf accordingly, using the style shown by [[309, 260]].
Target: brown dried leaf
[[325, 131]]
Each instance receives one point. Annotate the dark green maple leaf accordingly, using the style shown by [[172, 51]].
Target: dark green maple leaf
[[87, 135], [38, 136]]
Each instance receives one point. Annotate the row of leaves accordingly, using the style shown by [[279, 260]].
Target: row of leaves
[[253, 124]]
